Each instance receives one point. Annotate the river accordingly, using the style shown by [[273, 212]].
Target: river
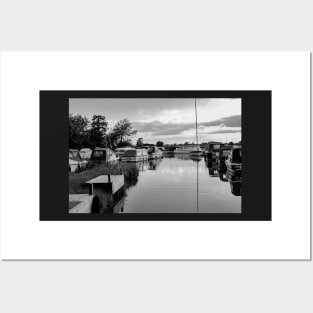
[[176, 185]]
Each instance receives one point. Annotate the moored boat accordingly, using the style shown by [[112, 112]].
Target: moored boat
[[153, 152], [224, 154], [120, 151], [85, 153], [76, 163], [135, 155], [212, 153], [100, 155], [184, 149], [234, 166], [197, 153]]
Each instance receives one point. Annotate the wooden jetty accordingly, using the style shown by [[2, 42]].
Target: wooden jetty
[[110, 183], [112, 187]]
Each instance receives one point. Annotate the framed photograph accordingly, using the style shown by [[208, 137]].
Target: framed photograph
[[155, 156]]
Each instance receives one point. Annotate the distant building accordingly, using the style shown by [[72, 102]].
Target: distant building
[[140, 142]]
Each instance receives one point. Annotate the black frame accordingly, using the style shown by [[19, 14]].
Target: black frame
[[256, 145]]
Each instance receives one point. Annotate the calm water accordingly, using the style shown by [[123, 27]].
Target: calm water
[[176, 185]]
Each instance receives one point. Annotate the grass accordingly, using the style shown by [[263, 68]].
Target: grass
[[77, 181]]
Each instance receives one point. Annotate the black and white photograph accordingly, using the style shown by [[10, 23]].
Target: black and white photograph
[[155, 155]]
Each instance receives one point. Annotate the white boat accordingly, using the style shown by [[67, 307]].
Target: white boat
[[196, 152], [76, 163], [100, 155], [184, 149], [120, 151], [85, 153], [154, 152], [135, 155]]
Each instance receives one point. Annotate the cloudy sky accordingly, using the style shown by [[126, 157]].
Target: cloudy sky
[[169, 120]]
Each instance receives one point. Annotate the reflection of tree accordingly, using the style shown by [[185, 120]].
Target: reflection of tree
[[154, 164], [131, 173]]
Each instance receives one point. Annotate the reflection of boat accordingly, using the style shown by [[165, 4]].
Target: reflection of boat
[[213, 171], [153, 152], [154, 164], [140, 166], [168, 153], [224, 153], [182, 156], [135, 155], [235, 188], [196, 158], [196, 153], [184, 149]]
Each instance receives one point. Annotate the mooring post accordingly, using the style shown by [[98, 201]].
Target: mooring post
[[109, 178]]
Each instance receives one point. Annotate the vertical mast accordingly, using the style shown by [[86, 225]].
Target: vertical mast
[[196, 120]]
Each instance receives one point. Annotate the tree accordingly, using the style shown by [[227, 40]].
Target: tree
[[160, 143], [122, 144], [78, 132], [98, 130], [123, 131]]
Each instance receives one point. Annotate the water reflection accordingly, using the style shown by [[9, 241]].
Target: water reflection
[[182, 156], [131, 172], [179, 185], [235, 188], [154, 164], [174, 185], [217, 168]]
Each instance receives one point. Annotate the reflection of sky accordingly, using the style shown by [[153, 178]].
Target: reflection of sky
[[169, 120], [172, 187]]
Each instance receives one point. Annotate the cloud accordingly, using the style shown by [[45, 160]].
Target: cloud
[[157, 128], [226, 131], [230, 121]]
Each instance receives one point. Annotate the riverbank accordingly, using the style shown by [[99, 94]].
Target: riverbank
[[77, 181]]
